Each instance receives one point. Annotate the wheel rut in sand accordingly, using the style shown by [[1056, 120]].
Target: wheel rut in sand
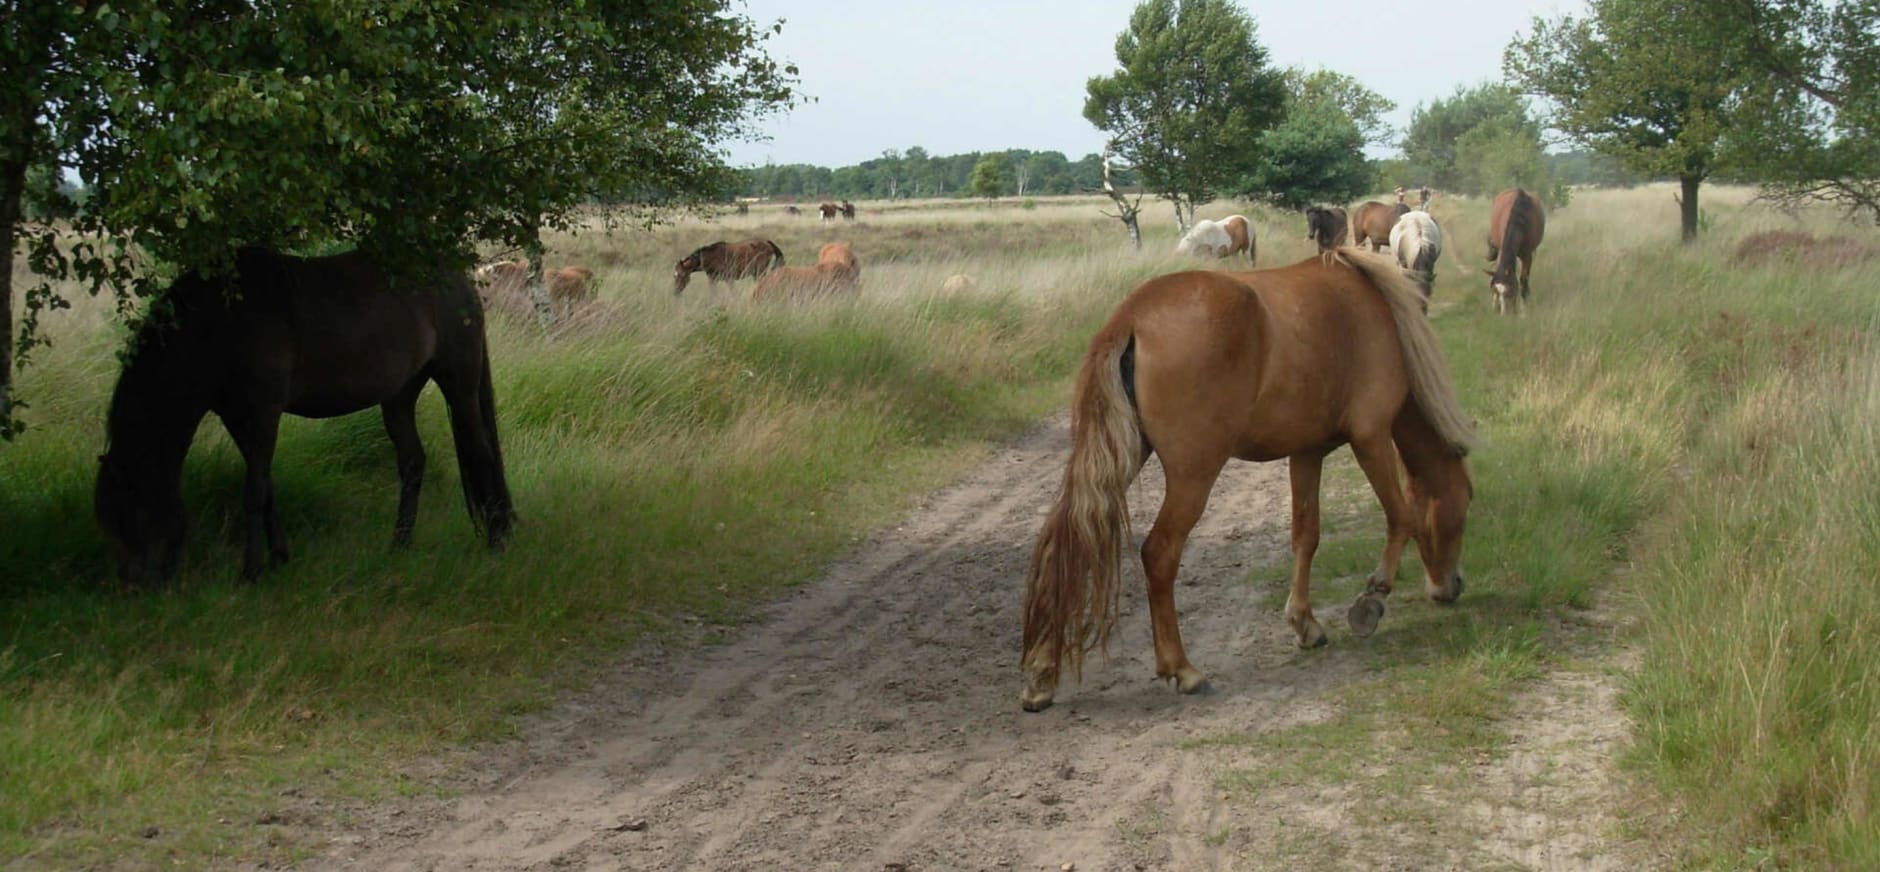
[[870, 719]]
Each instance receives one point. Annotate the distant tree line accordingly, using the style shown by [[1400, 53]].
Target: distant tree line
[[915, 173]]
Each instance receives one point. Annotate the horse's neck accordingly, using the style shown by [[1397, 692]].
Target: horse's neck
[[160, 399], [1504, 260]]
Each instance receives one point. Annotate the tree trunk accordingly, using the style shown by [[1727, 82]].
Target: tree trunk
[[538, 290], [1687, 206], [1126, 211], [12, 191]]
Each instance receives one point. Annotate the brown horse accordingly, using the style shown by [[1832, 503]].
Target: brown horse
[[1203, 367], [1326, 226], [503, 286], [848, 211], [727, 262], [829, 210], [315, 337], [1516, 223], [1371, 223], [568, 288], [836, 272]]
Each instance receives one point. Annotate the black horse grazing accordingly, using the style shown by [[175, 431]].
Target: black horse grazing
[[315, 337]]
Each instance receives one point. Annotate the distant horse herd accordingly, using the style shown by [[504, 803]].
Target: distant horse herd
[[1197, 367]]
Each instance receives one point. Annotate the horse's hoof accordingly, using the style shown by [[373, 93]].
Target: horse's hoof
[[1364, 615], [1039, 690], [1446, 594], [1311, 636]]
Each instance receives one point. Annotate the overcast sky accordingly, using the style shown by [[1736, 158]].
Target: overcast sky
[[984, 75]]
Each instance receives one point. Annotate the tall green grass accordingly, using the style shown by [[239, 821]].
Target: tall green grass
[[1729, 412]]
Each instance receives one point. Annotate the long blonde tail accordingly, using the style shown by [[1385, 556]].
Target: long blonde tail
[[1076, 570], [1430, 384]]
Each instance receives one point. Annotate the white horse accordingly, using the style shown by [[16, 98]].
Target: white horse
[[1417, 242]]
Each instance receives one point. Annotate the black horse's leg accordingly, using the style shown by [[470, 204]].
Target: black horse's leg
[[255, 432], [401, 424]]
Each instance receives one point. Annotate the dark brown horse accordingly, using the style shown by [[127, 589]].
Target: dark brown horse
[[1516, 223], [1203, 367], [1326, 226], [1371, 223], [829, 210], [848, 211], [727, 262], [314, 337]]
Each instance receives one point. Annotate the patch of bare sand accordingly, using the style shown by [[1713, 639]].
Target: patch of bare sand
[[870, 720]]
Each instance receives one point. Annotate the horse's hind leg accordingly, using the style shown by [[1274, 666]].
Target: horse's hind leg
[[255, 432], [401, 424], [1304, 471], [1182, 503], [1527, 263], [1378, 458]]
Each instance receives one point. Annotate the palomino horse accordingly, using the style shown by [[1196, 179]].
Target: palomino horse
[[1326, 226], [727, 262], [1417, 242], [315, 337], [1516, 223], [1201, 367], [836, 272], [1371, 223]]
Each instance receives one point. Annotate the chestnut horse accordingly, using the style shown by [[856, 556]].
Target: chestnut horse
[[1326, 226], [1516, 223], [1202, 367], [314, 337], [727, 262], [836, 272], [1371, 223]]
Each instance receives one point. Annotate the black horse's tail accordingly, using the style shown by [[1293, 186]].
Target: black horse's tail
[[499, 511], [776, 254]]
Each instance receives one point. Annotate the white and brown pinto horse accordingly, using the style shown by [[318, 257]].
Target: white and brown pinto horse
[[1203, 367], [1221, 239]]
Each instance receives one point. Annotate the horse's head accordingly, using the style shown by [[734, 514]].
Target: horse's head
[[1441, 497], [1502, 280], [1320, 227], [682, 272], [142, 520]]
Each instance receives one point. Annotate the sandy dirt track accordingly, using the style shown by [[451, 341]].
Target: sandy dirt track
[[870, 720]]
